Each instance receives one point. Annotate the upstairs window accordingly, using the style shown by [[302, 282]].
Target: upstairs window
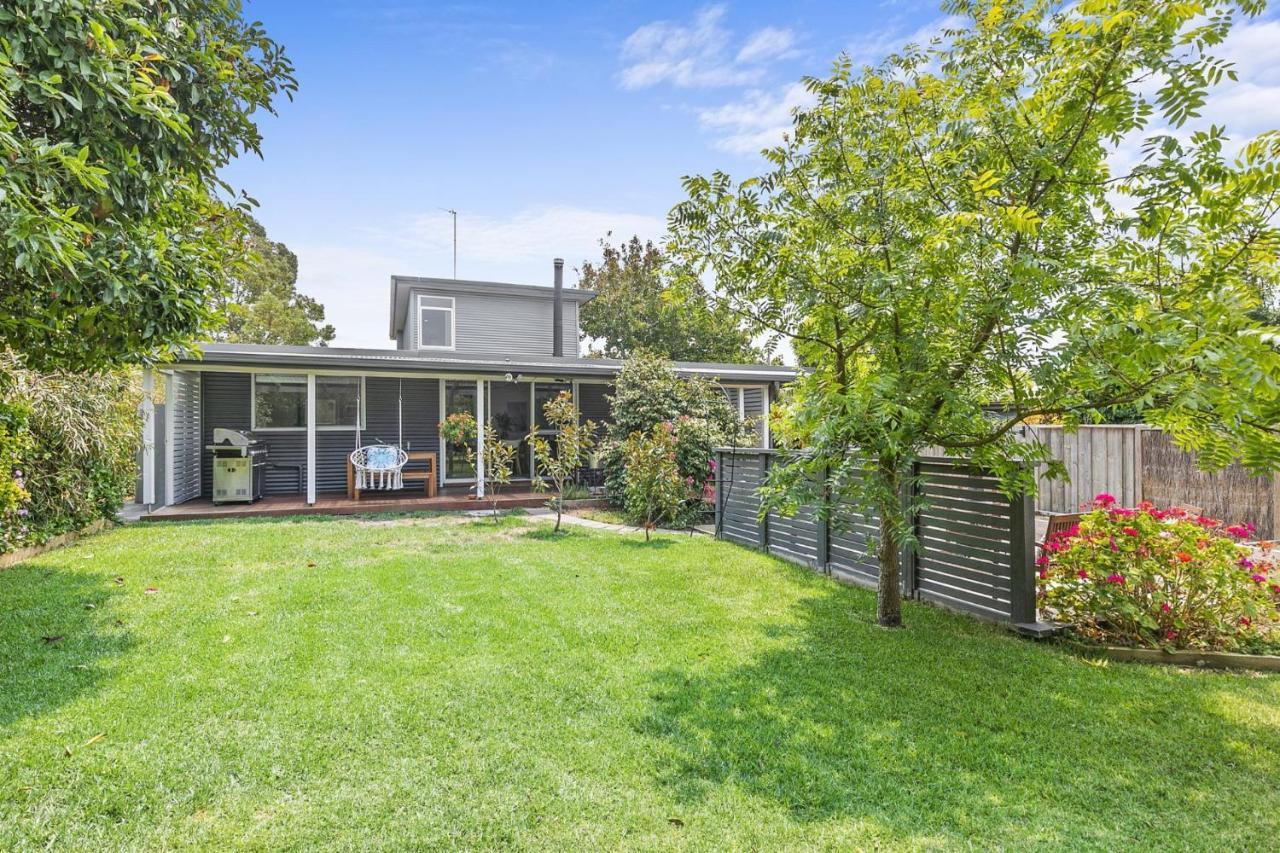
[[435, 322]]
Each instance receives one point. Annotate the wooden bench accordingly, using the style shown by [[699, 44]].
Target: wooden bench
[[428, 477]]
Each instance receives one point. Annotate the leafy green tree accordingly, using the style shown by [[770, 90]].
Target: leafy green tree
[[654, 488], [944, 236], [559, 460], [263, 305], [115, 120], [638, 308]]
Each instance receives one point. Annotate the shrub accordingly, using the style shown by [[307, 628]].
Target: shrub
[[654, 490], [648, 393], [1160, 579], [68, 441]]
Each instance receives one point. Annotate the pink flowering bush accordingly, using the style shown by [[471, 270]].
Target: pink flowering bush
[[1160, 579]]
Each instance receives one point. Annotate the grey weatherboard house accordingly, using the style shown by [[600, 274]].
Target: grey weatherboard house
[[498, 351]]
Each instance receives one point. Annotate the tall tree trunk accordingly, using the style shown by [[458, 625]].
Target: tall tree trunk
[[889, 589]]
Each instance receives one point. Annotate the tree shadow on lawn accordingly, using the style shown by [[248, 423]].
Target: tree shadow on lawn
[[955, 729], [56, 633]]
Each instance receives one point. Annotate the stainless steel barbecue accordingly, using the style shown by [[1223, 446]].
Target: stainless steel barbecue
[[239, 466]]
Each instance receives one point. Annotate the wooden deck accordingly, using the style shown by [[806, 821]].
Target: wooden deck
[[449, 499]]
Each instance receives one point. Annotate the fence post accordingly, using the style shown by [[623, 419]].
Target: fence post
[[763, 518], [907, 558], [1022, 573], [719, 516], [823, 524]]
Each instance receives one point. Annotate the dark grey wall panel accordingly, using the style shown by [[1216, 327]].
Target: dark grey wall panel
[[226, 404], [593, 402]]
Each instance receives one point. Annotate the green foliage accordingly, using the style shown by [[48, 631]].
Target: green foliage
[[263, 305], [1159, 579], [639, 308], [459, 429], [115, 120], [654, 489], [15, 446], [943, 236], [69, 442], [648, 393], [560, 460], [498, 456]]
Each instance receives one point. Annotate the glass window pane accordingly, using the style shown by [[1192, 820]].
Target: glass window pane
[[436, 301], [337, 400], [437, 328], [280, 402]]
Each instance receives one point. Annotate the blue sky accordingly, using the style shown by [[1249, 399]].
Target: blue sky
[[547, 124]]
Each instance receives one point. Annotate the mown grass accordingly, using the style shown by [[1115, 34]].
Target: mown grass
[[392, 683]]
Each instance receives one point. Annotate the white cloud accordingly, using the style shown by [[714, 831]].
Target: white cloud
[[768, 43], [756, 121], [698, 53], [873, 46], [352, 279]]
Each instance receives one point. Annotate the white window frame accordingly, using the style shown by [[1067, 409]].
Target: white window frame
[[453, 321], [253, 403]]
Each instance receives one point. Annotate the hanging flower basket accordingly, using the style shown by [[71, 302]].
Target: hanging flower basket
[[459, 429]]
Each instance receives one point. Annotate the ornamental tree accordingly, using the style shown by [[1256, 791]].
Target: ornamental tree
[[654, 490], [560, 460], [115, 119], [945, 241], [498, 459]]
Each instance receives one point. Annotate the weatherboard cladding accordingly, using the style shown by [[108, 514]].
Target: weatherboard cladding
[[187, 445], [487, 323]]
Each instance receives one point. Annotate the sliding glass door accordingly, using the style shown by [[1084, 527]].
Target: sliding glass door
[[507, 408]]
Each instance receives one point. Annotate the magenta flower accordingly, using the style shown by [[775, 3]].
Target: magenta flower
[[1129, 531], [1246, 563], [1082, 574], [1116, 579], [1103, 499], [1240, 531], [1164, 607], [1259, 578], [1042, 560]]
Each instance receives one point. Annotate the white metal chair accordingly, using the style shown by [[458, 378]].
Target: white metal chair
[[378, 466]]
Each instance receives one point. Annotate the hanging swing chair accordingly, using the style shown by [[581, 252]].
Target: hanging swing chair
[[379, 467]]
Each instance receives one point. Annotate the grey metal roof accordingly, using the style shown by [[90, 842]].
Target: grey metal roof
[[257, 355], [402, 284]]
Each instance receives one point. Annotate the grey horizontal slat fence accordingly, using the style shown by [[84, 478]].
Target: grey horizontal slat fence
[[974, 550]]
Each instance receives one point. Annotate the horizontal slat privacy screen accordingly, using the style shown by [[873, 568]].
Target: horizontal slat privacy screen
[[975, 546]]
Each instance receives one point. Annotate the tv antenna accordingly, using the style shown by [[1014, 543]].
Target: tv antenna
[[454, 214]]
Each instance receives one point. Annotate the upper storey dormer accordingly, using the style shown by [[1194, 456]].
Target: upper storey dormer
[[445, 315]]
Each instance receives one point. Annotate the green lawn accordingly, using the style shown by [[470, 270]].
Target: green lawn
[[444, 683]]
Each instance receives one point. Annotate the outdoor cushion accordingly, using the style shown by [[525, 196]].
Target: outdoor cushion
[[382, 458]]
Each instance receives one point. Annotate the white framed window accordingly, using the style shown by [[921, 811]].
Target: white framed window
[[280, 401], [436, 322]]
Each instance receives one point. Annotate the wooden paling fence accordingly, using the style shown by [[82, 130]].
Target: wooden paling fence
[[1135, 462], [975, 548]]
